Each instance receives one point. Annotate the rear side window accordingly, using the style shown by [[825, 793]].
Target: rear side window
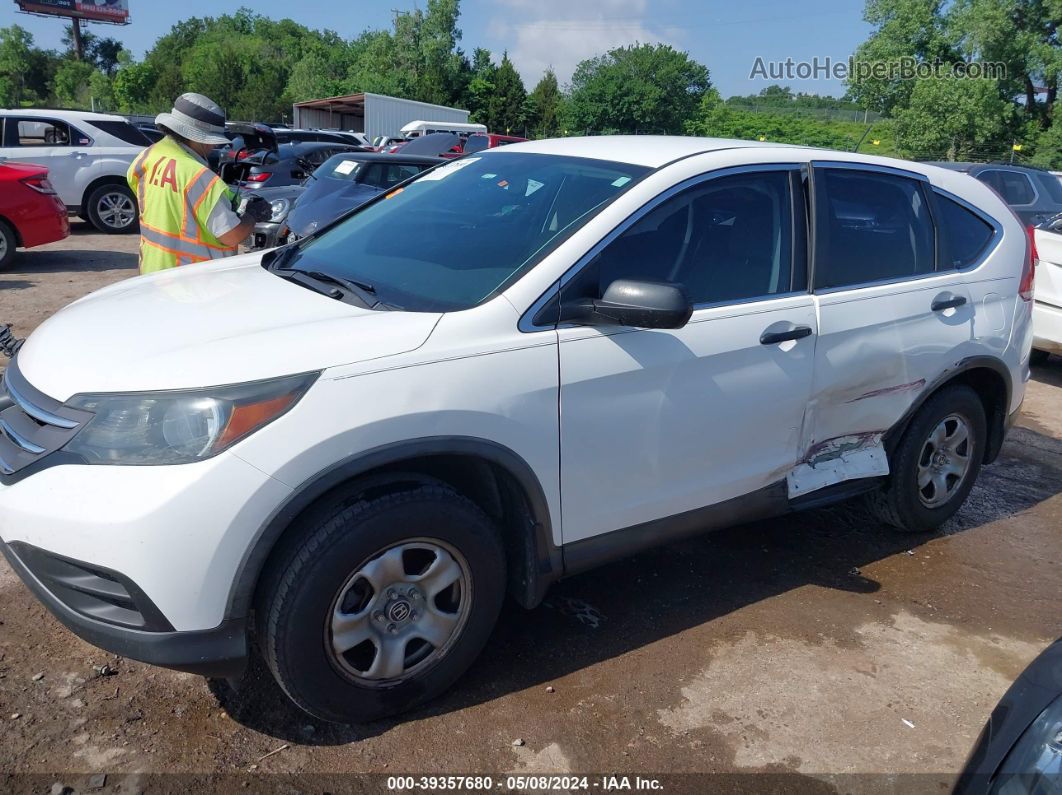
[[870, 227], [1013, 186], [1052, 185], [122, 130], [964, 235]]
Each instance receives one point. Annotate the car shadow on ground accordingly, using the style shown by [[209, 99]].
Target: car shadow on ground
[[68, 260], [588, 619]]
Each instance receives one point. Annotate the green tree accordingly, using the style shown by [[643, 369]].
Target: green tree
[[133, 84], [955, 119], [16, 44], [545, 107], [505, 108], [1049, 147], [480, 86], [914, 29], [640, 88], [72, 83]]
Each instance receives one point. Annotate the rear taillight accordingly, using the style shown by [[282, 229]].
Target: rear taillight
[[39, 184], [260, 177], [1028, 270], [243, 153]]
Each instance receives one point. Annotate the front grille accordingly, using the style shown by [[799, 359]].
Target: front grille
[[32, 425]]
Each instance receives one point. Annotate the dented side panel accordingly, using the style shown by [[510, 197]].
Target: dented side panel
[[878, 348]]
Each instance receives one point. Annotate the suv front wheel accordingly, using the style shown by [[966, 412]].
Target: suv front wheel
[[112, 209], [382, 604], [936, 462]]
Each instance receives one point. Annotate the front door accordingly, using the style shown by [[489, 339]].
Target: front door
[[52, 143], [655, 423]]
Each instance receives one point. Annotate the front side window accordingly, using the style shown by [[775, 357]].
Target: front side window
[[43, 132], [726, 239], [870, 227], [462, 232], [1013, 186], [122, 130]]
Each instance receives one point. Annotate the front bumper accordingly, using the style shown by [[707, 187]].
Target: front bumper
[[1047, 327], [220, 652]]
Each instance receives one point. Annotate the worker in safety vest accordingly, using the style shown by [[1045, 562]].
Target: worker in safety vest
[[186, 210]]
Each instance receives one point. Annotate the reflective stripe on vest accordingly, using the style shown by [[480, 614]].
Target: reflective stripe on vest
[[176, 245]]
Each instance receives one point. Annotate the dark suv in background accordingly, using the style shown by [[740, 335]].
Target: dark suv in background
[[1035, 195]]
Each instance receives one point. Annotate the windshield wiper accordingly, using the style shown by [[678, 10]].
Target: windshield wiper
[[363, 291]]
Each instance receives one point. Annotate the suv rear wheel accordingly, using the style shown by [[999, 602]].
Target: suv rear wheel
[[936, 462], [112, 209], [383, 604]]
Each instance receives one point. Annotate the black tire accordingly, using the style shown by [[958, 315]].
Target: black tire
[[99, 215], [297, 596], [899, 503], [1038, 358], [8, 243]]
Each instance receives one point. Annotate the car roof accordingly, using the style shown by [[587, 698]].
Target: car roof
[[397, 157], [56, 113], [642, 150]]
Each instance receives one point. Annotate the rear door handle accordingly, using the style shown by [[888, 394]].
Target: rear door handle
[[774, 337], [940, 303]]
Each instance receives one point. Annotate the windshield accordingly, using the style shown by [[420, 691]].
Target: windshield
[[340, 167], [461, 232]]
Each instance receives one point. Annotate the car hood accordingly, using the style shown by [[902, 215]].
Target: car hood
[[321, 205], [204, 325]]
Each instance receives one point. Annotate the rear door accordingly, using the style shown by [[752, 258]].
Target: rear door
[[890, 318]]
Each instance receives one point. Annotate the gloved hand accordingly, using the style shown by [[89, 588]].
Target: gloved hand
[[258, 209]]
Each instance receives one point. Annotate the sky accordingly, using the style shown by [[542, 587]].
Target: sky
[[727, 37]]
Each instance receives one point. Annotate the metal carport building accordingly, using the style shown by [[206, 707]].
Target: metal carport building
[[372, 114]]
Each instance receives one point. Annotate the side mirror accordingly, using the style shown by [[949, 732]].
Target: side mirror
[[628, 302]]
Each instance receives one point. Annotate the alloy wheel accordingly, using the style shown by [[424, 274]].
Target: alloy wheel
[[399, 612], [116, 210], [944, 461]]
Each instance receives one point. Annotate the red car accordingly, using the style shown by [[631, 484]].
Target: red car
[[31, 214], [477, 142]]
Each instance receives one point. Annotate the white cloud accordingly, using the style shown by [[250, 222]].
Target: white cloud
[[560, 33]]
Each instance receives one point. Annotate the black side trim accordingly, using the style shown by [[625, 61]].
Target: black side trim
[[997, 423], [220, 652], [544, 568], [606, 547]]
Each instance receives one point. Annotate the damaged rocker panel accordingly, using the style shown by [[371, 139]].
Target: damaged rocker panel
[[832, 461]]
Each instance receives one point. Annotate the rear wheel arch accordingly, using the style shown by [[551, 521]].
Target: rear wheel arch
[[492, 476], [14, 229], [990, 379], [107, 179]]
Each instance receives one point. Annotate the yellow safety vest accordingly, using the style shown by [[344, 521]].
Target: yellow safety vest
[[176, 194]]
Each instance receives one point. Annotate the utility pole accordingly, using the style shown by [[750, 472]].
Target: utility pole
[[79, 48]]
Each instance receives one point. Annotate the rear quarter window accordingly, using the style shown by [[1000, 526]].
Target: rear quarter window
[[964, 234]]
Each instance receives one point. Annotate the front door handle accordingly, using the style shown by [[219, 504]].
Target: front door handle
[[769, 337], [940, 303]]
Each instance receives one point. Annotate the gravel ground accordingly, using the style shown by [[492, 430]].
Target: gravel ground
[[819, 647]]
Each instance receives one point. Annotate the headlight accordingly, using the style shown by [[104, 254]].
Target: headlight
[[1034, 764], [151, 428], [280, 209]]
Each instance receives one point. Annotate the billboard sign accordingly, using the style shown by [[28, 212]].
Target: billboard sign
[[97, 10]]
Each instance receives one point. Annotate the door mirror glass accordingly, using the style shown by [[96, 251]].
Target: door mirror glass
[[628, 302]]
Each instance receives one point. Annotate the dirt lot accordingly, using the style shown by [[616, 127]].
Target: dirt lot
[[819, 646]]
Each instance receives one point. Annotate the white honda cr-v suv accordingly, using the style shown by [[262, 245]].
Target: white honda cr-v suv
[[341, 455]]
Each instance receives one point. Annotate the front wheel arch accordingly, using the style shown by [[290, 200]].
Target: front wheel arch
[[493, 476]]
